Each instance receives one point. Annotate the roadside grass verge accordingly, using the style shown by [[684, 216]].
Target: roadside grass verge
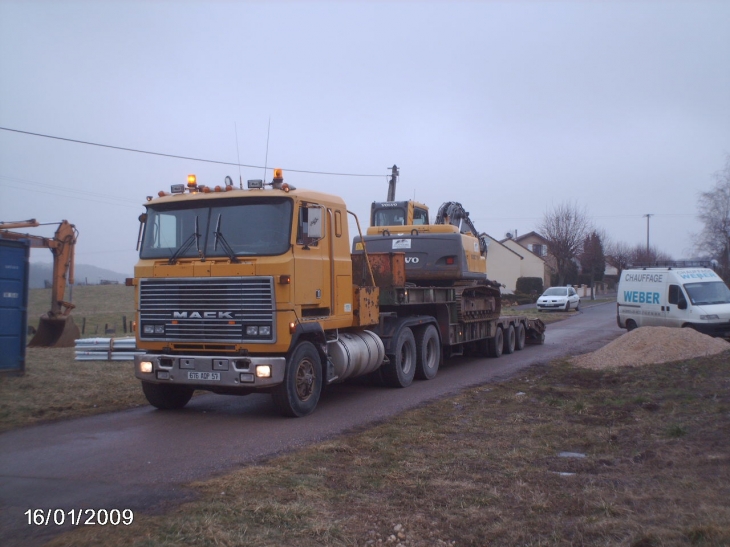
[[547, 318], [648, 464], [55, 386]]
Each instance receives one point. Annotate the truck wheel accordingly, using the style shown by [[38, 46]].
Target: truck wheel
[[428, 357], [401, 369], [630, 324], [496, 344], [299, 394], [167, 396], [509, 341], [520, 337]]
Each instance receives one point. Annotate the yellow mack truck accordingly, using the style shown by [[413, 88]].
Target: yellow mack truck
[[255, 290]]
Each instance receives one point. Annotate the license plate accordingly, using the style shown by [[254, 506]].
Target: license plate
[[205, 376]]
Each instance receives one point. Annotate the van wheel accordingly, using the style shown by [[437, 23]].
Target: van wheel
[[520, 336], [428, 349], [496, 345], [509, 341], [630, 324], [401, 369]]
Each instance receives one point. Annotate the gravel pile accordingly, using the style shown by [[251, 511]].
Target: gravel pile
[[649, 345]]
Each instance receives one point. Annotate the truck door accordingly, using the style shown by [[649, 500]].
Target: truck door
[[311, 258]]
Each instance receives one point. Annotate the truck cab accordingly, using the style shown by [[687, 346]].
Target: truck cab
[[217, 305]]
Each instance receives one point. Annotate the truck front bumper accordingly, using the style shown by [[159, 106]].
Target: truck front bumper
[[210, 372]]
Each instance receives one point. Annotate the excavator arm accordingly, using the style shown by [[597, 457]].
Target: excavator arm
[[56, 328], [453, 213]]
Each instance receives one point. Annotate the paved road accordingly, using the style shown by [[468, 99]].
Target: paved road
[[142, 458]]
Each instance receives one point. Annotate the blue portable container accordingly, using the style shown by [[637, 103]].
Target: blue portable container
[[14, 266]]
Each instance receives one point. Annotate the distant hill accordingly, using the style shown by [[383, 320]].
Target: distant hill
[[83, 274]]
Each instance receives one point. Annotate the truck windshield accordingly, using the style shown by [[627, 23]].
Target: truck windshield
[[714, 292], [250, 227]]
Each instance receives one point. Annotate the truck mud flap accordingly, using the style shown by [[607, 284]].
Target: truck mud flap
[[55, 332]]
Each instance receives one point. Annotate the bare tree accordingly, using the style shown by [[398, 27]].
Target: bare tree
[[713, 209], [641, 256], [618, 255], [565, 228]]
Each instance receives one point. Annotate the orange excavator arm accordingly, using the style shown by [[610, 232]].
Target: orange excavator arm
[[62, 246]]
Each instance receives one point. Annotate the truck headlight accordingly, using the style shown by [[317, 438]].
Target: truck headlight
[[159, 329], [708, 317], [265, 331], [149, 329], [145, 366], [252, 331], [263, 371]]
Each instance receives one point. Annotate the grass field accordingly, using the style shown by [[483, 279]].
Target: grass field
[[98, 306], [558, 456]]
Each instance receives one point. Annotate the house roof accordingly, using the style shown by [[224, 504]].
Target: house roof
[[523, 247], [531, 234], [505, 246]]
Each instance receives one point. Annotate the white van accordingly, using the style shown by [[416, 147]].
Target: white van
[[674, 297]]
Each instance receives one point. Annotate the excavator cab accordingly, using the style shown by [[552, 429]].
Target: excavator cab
[[398, 213]]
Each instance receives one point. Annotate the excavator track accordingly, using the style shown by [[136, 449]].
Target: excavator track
[[477, 303]]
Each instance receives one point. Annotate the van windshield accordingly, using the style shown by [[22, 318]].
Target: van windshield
[[714, 292]]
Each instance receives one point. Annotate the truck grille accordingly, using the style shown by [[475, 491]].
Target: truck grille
[[218, 309]]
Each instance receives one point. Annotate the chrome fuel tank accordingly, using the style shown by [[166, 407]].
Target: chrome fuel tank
[[355, 353]]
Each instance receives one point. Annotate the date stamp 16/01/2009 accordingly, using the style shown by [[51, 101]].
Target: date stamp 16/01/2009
[[79, 517]]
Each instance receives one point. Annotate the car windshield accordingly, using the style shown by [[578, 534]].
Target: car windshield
[[714, 292], [556, 291], [249, 226]]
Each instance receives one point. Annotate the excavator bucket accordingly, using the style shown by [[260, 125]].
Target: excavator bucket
[[55, 332]]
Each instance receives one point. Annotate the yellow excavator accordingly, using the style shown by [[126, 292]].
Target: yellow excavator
[[57, 327], [448, 252]]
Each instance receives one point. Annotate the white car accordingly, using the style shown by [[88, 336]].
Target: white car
[[559, 298]]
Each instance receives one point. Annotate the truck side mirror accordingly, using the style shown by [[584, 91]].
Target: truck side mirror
[[682, 304], [314, 222], [142, 221]]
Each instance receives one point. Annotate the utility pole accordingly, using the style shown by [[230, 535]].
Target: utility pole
[[647, 231]]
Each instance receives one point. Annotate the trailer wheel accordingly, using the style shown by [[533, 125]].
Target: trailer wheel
[[167, 396], [428, 347], [299, 394], [401, 369], [496, 344], [520, 337], [509, 340]]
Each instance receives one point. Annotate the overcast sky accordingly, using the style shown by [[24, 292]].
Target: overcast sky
[[507, 107]]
